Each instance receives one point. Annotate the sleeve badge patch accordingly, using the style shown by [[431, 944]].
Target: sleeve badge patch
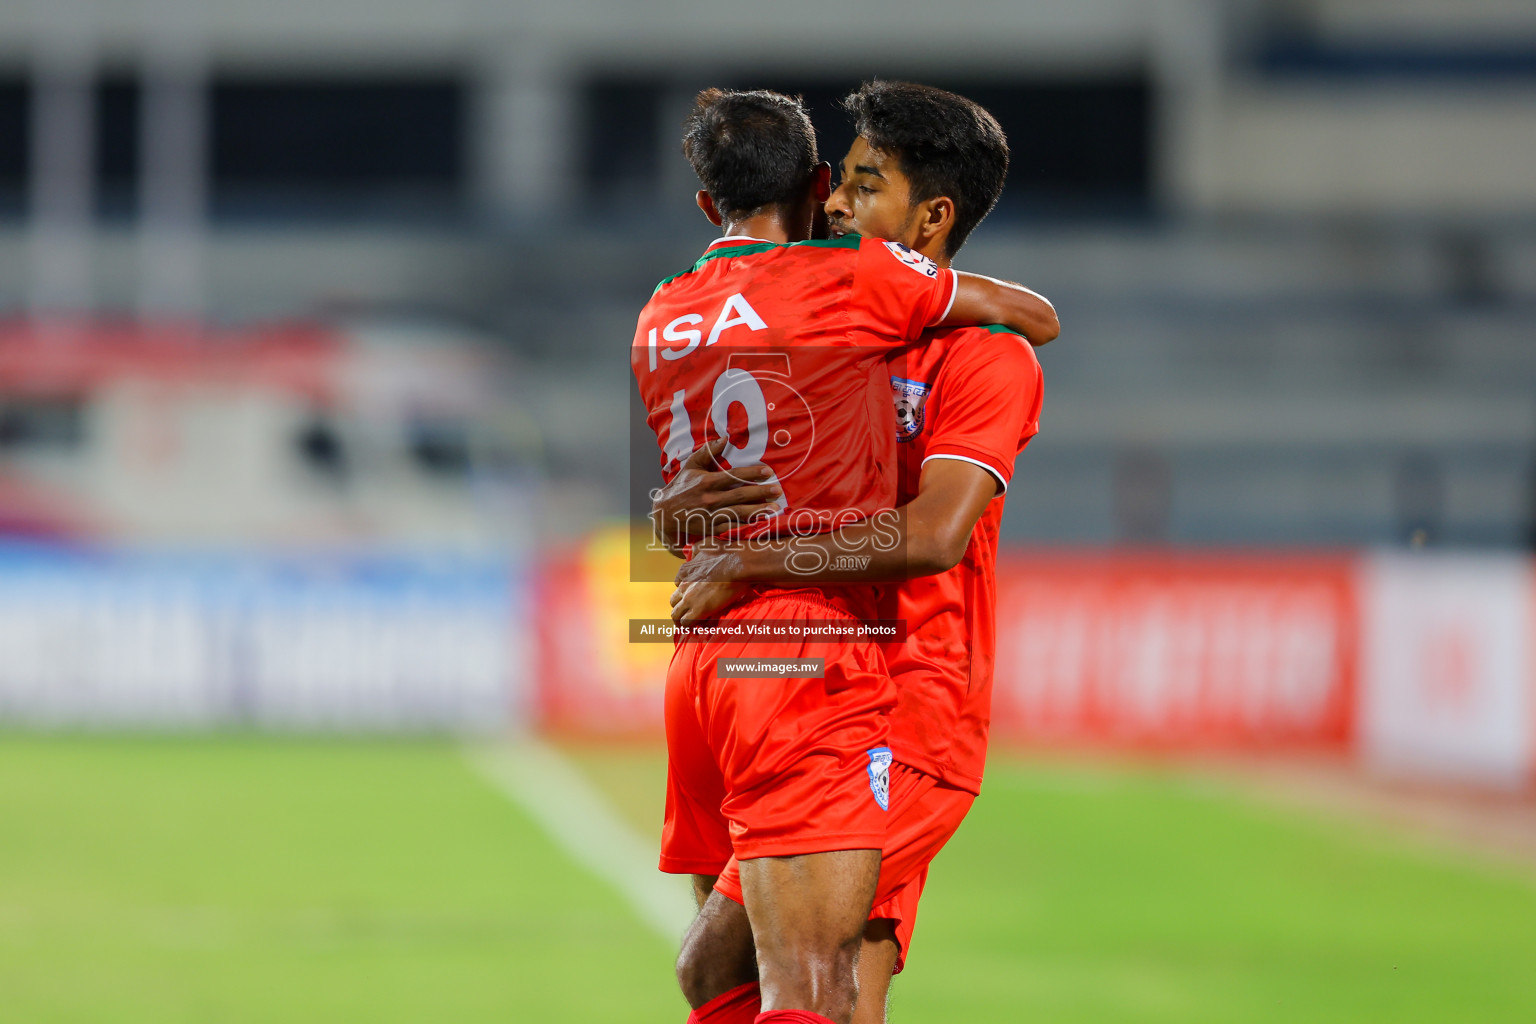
[[914, 259]]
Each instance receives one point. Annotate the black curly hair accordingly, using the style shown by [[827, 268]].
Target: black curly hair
[[945, 144], [750, 149]]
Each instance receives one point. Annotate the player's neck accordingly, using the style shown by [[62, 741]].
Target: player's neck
[[772, 226]]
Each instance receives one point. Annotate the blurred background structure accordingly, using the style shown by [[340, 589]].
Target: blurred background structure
[[313, 368], [1294, 242], [1294, 238]]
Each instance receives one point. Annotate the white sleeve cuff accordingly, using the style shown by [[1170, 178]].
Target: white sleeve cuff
[[1002, 485], [954, 290]]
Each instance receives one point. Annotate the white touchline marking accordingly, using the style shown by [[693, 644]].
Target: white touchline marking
[[540, 780]]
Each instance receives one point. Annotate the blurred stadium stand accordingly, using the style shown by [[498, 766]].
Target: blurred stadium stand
[[1295, 242]]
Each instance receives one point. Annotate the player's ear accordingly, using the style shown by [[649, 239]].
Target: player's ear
[[935, 217], [821, 181], [707, 204]]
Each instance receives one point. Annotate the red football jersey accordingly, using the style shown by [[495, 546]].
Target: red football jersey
[[966, 395], [781, 348]]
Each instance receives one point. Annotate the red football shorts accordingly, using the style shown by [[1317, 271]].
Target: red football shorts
[[775, 767], [924, 814]]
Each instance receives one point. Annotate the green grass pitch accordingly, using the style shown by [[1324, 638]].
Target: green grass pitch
[[245, 879]]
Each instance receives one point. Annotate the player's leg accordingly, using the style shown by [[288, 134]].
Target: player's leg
[[721, 935], [718, 965], [717, 955], [924, 815], [883, 953], [703, 885], [808, 914], [877, 962], [805, 761]]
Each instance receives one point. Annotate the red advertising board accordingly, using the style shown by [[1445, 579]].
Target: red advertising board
[[1181, 649]]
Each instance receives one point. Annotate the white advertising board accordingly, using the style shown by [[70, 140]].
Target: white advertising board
[[1446, 669]]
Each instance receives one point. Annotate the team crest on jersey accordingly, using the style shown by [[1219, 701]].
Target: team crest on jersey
[[880, 776], [914, 259], [910, 397]]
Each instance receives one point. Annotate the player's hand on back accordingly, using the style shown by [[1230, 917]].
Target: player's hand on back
[[696, 602], [711, 562], [703, 499]]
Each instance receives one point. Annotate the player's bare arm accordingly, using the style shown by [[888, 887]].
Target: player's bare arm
[[703, 500], [986, 300]]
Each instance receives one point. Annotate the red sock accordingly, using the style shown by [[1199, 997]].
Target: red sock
[[740, 1005], [790, 1017]]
